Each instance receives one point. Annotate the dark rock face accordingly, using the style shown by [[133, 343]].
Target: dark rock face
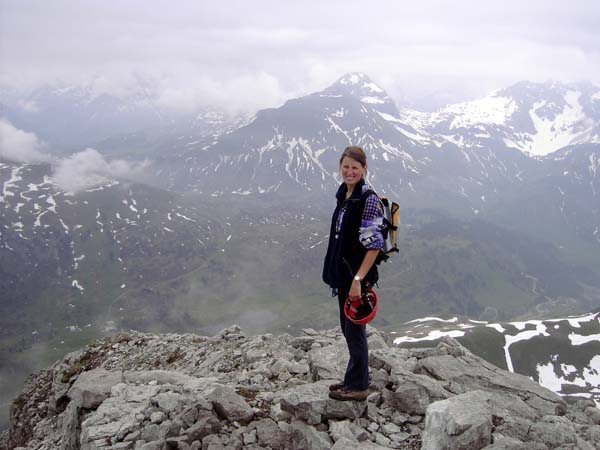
[[264, 392]]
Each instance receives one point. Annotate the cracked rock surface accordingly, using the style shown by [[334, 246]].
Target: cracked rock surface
[[141, 391]]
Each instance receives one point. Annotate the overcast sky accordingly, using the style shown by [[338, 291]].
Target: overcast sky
[[255, 54]]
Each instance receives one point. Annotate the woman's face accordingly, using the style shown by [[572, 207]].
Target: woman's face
[[352, 171]]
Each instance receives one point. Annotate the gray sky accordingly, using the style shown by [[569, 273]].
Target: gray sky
[[256, 54]]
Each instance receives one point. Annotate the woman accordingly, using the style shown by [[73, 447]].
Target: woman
[[355, 240]]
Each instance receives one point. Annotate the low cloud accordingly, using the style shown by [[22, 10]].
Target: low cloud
[[89, 168], [255, 56], [28, 105], [247, 92], [20, 146]]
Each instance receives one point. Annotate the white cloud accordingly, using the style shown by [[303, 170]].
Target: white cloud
[[89, 168], [243, 55], [21, 146], [241, 93], [28, 105]]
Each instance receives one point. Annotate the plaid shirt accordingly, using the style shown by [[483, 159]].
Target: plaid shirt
[[371, 222]]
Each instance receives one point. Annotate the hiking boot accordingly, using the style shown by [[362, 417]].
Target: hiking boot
[[336, 386], [348, 395]]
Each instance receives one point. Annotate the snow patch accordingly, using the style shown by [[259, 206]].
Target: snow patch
[[496, 326], [552, 134], [437, 319], [540, 330], [550, 380], [433, 335], [372, 100], [491, 110], [576, 339]]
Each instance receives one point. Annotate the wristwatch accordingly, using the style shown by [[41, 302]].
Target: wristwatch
[[357, 278]]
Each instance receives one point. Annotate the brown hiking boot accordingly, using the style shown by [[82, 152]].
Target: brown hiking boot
[[348, 395], [336, 386]]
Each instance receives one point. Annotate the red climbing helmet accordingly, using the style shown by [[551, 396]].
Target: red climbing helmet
[[361, 310]]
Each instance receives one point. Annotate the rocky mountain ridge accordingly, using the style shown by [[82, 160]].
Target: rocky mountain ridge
[[491, 140], [528, 144], [231, 391], [560, 353]]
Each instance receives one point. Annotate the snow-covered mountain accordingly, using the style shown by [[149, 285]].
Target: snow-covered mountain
[[295, 148], [535, 118], [561, 353], [463, 158]]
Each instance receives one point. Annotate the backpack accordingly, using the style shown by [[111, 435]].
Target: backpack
[[390, 225]]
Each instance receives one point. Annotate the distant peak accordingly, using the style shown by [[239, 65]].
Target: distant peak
[[359, 82], [359, 85]]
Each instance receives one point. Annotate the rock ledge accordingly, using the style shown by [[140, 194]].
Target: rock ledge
[[141, 391]]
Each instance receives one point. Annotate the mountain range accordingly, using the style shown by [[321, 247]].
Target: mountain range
[[529, 148], [499, 206], [519, 166]]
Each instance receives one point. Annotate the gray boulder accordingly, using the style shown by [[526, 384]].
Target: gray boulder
[[93, 387], [306, 437], [349, 444], [328, 363], [463, 422], [341, 429], [469, 372], [205, 426], [269, 434], [508, 443], [553, 431], [228, 404], [412, 393], [311, 403]]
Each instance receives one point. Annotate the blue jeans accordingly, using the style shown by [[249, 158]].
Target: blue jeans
[[357, 372]]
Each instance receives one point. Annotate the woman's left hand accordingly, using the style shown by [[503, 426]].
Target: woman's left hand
[[355, 290]]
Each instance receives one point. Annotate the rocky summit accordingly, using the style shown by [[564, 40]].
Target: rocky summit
[[230, 391]]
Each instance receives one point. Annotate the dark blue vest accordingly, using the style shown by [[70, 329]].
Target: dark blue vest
[[345, 253]]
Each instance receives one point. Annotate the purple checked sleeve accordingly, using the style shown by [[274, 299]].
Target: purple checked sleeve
[[372, 224]]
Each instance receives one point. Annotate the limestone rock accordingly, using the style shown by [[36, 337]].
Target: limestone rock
[[470, 372], [553, 431], [231, 391], [463, 422], [348, 444], [341, 429], [93, 387], [328, 363], [310, 402], [308, 438], [507, 443], [269, 434], [228, 404], [205, 426], [414, 392]]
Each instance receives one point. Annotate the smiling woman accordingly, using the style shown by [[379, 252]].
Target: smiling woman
[[355, 241]]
